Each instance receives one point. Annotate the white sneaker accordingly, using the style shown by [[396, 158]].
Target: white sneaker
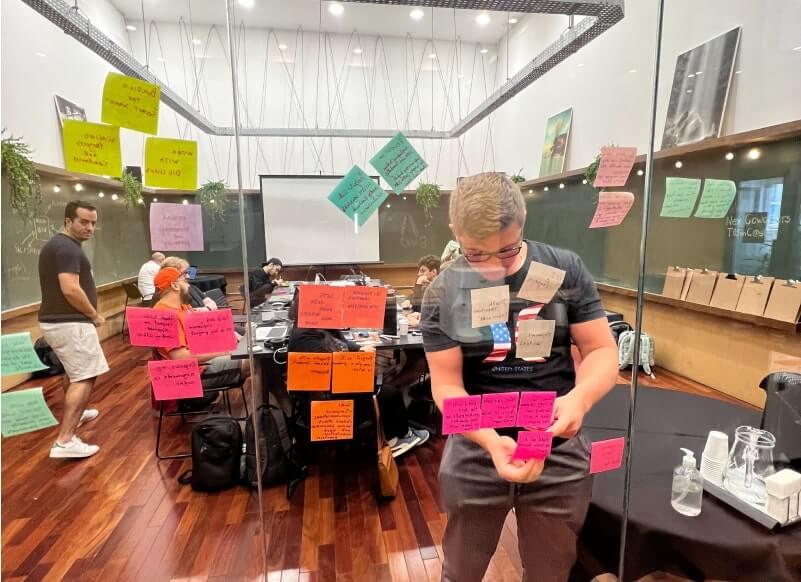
[[75, 449], [404, 444], [88, 415]]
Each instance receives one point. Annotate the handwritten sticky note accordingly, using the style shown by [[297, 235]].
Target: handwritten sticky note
[[716, 198], [17, 354], [176, 227], [499, 410], [398, 163], [533, 444], [680, 197], [353, 372], [24, 411], [461, 414], [364, 306], [131, 103], [358, 195], [208, 332], [607, 455], [489, 305], [541, 283], [92, 148], [152, 328], [535, 338], [536, 409], [612, 209], [309, 372], [320, 306], [175, 379], [170, 163], [331, 420], [615, 167]]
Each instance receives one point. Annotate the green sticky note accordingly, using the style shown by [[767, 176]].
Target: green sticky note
[[398, 163], [716, 198], [25, 411], [680, 197], [358, 195], [17, 355]]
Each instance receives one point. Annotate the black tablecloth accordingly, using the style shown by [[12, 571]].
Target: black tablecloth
[[207, 282], [721, 543]]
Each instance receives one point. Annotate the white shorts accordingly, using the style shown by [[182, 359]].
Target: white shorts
[[77, 346]]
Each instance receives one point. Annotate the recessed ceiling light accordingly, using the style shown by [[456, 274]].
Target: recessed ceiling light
[[130, 27], [141, 201], [417, 14], [561, 186], [56, 188], [580, 65], [114, 196], [78, 187], [678, 164], [531, 191], [246, 3], [195, 41], [729, 156], [155, 199], [691, 76], [389, 205], [584, 181], [483, 19], [41, 55], [513, 21], [357, 51], [100, 195], [737, 72], [484, 51], [546, 188], [689, 90], [640, 172], [432, 55], [632, 70], [754, 153], [336, 8], [699, 72], [797, 48], [282, 47], [184, 201]]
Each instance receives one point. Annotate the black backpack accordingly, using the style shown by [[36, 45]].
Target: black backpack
[[216, 454], [49, 358], [617, 328]]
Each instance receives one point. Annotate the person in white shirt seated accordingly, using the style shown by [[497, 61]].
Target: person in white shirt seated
[[147, 273]]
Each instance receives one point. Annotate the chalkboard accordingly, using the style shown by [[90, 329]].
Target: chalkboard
[[405, 233]]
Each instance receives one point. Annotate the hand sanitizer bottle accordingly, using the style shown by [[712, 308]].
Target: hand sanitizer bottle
[[688, 486]]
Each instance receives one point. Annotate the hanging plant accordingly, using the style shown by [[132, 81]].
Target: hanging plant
[[213, 199], [22, 179], [592, 170], [518, 178], [427, 196], [131, 190]]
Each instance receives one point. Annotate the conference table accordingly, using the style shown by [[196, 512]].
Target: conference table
[[209, 282]]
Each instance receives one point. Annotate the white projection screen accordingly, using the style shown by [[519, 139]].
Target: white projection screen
[[302, 227]]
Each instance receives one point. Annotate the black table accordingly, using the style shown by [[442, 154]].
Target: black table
[[208, 282], [721, 543]]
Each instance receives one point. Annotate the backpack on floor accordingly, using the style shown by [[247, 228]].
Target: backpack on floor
[[216, 454], [626, 351], [49, 358], [617, 328]]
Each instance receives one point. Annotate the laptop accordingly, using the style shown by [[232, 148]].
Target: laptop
[[264, 333], [191, 272], [391, 317]]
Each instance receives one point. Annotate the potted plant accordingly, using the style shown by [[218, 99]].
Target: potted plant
[[427, 196], [21, 178], [213, 199], [131, 190], [518, 178]]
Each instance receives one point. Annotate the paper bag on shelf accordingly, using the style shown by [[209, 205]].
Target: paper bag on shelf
[[727, 291], [688, 279], [702, 287], [674, 281], [754, 295], [784, 303]]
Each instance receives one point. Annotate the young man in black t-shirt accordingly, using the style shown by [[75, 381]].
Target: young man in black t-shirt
[[480, 481]]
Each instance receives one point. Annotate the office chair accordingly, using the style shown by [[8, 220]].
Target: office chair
[[131, 294]]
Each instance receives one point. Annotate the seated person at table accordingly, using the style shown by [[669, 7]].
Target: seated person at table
[[196, 297], [219, 370], [262, 281], [146, 275], [428, 267]]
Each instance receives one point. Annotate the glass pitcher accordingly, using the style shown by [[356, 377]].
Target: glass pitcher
[[750, 462]]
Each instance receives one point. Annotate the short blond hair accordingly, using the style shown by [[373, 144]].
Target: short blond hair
[[484, 204], [175, 263]]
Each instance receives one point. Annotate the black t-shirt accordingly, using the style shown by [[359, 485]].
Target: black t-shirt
[[490, 363], [61, 254]]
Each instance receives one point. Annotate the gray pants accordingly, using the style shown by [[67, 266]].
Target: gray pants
[[550, 511]]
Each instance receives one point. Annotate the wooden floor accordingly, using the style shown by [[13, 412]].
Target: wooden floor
[[121, 515]]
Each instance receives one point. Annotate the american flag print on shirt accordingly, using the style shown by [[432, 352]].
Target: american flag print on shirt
[[502, 340]]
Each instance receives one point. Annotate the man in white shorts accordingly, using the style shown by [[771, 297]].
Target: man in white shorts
[[68, 317]]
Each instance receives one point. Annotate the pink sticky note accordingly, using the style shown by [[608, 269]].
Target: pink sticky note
[[175, 379], [607, 455], [536, 409], [461, 414], [615, 167], [533, 444], [176, 227], [612, 209], [152, 328], [499, 410], [210, 331]]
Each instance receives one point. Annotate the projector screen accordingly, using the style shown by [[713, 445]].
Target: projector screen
[[301, 226]]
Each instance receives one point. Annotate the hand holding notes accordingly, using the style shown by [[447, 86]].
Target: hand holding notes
[[502, 451], [568, 412]]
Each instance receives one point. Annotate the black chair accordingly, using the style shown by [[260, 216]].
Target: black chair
[[132, 294], [782, 416]]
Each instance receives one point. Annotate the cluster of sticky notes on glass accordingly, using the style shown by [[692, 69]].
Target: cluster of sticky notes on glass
[[131, 103], [327, 307], [358, 195], [398, 163], [340, 372], [716, 198], [175, 379], [308, 371], [612, 209], [500, 410], [208, 332], [489, 305], [682, 193], [541, 283], [331, 420], [176, 227], [92, 148], [25, 411], [353, 372], [171, 163], [615, 166], [17, 354], [607, 455], [152, 328]]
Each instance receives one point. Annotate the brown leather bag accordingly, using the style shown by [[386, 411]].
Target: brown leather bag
[[387, 468]]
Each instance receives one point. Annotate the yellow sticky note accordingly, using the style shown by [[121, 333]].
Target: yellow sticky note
[[92, 148], [171, 163], [131, 103]]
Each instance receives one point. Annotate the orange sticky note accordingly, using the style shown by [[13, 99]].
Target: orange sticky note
[[364, 306], [331, 420], [353, 372], [320, 306], [310, 372]]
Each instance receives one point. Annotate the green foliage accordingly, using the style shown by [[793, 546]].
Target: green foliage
[[21, 178], [131, 190], [518, 178], [592, 170], [213, 199], [427, 196]]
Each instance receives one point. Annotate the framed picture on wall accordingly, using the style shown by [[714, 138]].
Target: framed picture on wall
[[700, 89], [557, 131], [68, 110]]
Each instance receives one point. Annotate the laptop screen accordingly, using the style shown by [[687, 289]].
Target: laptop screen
[[191, 273], [391, 316]]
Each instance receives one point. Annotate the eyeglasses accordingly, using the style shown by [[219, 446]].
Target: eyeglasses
[[502, 254]]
